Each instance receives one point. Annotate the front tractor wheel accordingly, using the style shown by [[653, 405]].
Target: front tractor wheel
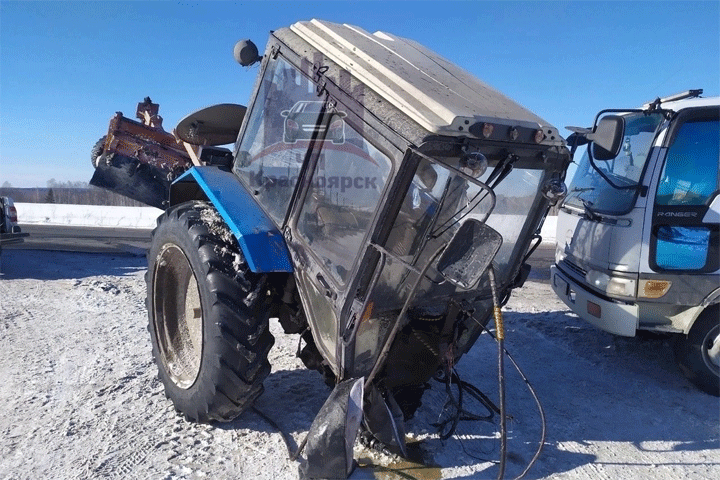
[[208, 315]]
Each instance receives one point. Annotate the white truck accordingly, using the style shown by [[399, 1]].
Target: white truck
[[637, 235]]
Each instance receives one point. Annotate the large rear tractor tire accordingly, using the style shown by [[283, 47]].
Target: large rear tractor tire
[[208, 315], [698, 353]]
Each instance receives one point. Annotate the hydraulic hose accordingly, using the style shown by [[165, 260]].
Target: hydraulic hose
[[532, 391], [500, 329]]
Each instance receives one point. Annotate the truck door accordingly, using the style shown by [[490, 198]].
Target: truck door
[[684, 235]]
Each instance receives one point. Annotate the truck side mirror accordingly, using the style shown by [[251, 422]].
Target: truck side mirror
[[469, 253], [607, 137]]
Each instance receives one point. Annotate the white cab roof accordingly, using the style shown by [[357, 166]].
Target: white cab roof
[[437, 94]]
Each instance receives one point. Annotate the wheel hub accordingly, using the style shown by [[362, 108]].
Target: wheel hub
[[178, 319], [711, 349]]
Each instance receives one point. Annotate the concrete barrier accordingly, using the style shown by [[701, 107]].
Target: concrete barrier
[[133, 217], [87, 215]]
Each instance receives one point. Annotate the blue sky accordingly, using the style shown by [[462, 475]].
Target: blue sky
[[67, 67]]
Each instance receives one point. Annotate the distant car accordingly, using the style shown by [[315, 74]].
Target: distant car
[[10, 232], [301, 123]]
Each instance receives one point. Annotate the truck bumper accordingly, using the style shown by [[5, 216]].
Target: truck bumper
[[614, 317]]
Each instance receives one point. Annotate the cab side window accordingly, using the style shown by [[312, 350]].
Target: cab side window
[[690, 174], [688, 184]]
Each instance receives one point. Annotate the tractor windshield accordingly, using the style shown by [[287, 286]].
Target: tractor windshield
[[590, 191], [437, 202]]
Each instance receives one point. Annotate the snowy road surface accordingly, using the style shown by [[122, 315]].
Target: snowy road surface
[[79, 397]]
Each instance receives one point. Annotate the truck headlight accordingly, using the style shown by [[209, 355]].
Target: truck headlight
[[614, 286], [597, 279]]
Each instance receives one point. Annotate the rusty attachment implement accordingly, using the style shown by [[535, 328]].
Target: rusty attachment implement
[[139, 160]]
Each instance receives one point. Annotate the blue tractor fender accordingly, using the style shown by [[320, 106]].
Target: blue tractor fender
[[260, 240]]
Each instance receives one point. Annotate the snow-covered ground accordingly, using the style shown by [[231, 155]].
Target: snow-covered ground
[[80, 398]]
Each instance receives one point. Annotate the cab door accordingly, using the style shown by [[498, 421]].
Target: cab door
[[320, 181], [684, 234], [331, 224]]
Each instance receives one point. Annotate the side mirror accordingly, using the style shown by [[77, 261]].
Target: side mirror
[[246, 53], [607, 137], [469, 254]]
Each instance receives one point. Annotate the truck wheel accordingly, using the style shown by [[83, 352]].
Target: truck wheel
[[96, 151], [208, 315], [698, 353]]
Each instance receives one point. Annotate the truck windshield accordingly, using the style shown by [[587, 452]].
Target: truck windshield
[[590, 191]]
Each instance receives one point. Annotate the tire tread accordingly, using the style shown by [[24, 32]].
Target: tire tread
[[236, 337]]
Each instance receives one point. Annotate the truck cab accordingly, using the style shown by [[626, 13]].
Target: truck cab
[[637, 234]]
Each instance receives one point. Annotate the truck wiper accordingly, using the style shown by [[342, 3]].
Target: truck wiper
[[580, 190], [590, 214]]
